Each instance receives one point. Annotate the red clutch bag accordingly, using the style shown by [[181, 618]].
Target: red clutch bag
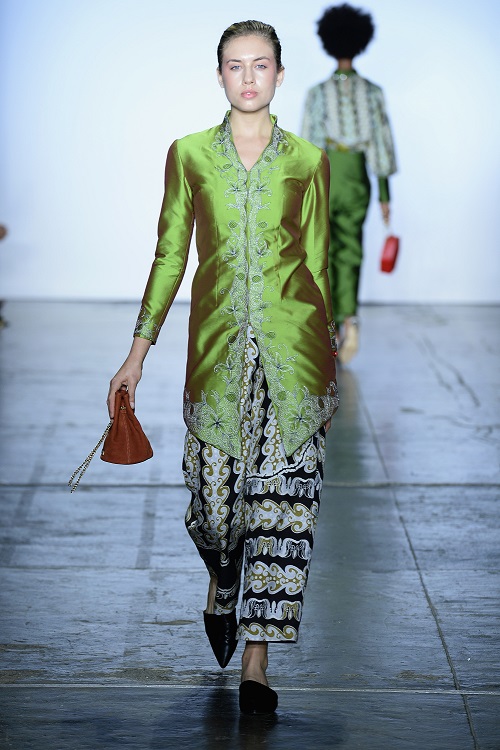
[[389, 255]]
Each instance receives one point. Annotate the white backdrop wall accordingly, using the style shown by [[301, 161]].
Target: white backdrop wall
[[94, 91]]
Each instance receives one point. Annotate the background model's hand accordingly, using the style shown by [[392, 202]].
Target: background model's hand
[[129, 373], [386, 212]]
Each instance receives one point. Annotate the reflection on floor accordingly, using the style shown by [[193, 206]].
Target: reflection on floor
[[101, 594]]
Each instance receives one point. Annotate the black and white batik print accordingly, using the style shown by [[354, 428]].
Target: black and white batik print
[[260, 510]]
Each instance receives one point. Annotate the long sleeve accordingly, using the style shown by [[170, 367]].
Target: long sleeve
[[380, 153], [384, 194], [315, 233], [175, 228], [313, 126]]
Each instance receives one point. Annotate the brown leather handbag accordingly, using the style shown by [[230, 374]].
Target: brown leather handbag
[[124, 440]]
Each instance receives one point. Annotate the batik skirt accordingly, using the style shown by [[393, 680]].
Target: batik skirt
[[258, 513]]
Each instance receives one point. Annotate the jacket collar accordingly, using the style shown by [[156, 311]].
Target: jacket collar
[[277, 141], [343, 75]]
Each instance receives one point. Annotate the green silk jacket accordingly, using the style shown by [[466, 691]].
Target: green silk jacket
[[262, 240]]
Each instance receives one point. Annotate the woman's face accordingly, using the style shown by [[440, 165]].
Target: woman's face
[[248, 73]]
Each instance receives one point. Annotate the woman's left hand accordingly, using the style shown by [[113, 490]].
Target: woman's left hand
[[328, 425], [386, 212]]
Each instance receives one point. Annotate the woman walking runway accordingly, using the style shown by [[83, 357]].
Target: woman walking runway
[[260, 379]]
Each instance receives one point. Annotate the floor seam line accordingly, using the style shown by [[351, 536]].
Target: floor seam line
[[440, 631], [282, 688]]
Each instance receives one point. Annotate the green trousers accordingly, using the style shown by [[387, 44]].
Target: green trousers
[[349, 199]]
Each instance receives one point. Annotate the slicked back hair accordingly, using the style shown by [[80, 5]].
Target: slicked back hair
[[250, 28]]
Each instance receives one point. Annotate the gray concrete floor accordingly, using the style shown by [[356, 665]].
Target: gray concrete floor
[[102, 642]]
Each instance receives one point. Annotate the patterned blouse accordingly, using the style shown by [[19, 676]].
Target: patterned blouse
[[348, 112]]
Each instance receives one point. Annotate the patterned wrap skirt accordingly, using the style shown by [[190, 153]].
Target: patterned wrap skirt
[[258, 512]]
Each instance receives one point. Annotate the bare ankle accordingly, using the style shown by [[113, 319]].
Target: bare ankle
[[254, 663], [212, 590]]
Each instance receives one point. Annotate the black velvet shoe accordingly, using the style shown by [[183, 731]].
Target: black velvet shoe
[[257, 699], [221, 632]]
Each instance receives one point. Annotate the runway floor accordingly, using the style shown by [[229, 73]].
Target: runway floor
[[102, 642]]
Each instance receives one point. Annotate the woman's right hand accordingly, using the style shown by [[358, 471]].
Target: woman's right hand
[[129, 373]]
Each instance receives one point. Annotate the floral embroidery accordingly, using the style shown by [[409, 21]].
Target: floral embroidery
[[333, 337], [216, 418], [146, 327]]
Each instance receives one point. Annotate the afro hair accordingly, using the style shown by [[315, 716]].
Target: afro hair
[[345, 31]]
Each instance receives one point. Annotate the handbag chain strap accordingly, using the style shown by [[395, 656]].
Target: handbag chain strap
[[84, 466]]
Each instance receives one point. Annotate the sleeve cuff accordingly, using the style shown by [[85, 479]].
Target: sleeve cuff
[[333, 337], [146, 328], [383, 190]]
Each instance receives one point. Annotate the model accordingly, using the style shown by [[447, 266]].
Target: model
[[260, 381], [346, 116]]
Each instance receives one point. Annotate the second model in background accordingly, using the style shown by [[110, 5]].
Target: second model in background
[[346, 116]]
